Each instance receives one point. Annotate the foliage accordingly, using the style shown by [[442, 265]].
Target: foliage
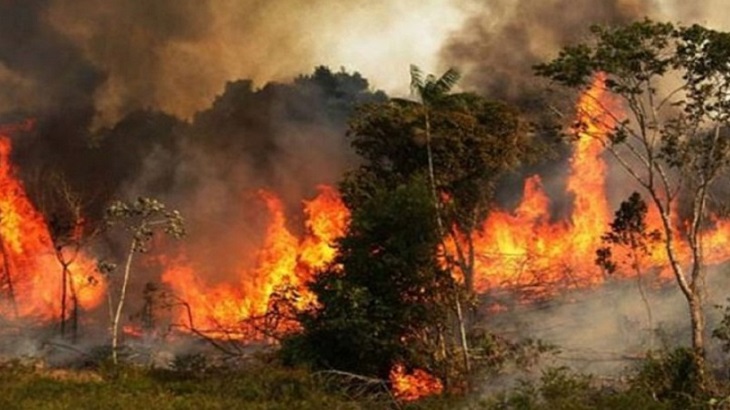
[[492, 354], [383, 299], [561, 389], [256, 387], [141, 218], [722, 331], [473, 142], [462, 143], [628, 229], [672, 377]]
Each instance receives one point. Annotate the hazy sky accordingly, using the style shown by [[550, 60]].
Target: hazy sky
[[177, 55]]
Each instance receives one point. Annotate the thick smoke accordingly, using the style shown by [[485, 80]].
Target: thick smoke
[[175, 55], [499, 42], [498, 45]]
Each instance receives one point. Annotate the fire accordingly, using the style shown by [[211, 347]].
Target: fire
[[414, 385], [30, 273], [283, 262], [524, 249], [327, 218]]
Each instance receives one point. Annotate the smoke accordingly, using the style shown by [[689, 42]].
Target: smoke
[[500, 42], [175, 55]]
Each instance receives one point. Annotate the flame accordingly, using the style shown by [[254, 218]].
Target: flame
[[30, 274], [327, 219], [414, 385], [282, 262], [524, 249]]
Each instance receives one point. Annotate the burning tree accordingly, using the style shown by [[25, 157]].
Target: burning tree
[[673, 141], [140, 218]]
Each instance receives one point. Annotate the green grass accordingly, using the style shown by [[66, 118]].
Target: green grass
[[22, 387]]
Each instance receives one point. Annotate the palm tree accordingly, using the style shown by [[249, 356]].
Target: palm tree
[[431, 92]]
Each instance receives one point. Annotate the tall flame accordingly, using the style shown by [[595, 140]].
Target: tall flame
[[30, 274], [525, 249]]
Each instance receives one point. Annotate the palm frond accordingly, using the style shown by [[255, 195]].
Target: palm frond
[[430, 88], [447, 81], [416, 79]]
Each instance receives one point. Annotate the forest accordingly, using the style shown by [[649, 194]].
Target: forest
[[317, 242]]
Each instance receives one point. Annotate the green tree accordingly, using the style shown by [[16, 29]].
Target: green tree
[[383, 299], [461, 142], [140, 219], [673, 140]]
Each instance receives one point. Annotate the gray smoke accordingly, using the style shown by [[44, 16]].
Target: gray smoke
[[498, 45]]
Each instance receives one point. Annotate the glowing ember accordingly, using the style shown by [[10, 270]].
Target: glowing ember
[[132, 331], [414, 385], [30, 273]]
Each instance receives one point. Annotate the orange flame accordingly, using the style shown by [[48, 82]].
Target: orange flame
[[282, 261], [29, 271], [414, 385], [525, 249]]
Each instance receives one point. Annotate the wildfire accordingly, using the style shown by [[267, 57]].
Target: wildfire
[[283, 263], [30, 274], [525, 249], [414, 385]]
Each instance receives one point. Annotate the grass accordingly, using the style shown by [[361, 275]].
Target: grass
[[24, 387], [661, 383]]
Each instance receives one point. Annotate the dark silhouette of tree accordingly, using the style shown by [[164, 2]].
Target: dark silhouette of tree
[[629, 231], [384, 299]]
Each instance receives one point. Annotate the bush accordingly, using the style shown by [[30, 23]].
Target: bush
[[672, 377]]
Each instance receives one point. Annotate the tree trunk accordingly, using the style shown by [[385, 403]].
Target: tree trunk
[[64, 296], [74, 314], [642, 292], [462, 334], [442, 233], [120, 303], [8, 276], [697, 317]]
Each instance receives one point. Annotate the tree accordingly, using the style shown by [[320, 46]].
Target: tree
[[64, 208], [470, 143], [629, 230], [384, 298], [673, 138], [141, 219]]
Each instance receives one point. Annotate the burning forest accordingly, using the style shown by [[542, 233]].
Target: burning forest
[[399, 248]]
